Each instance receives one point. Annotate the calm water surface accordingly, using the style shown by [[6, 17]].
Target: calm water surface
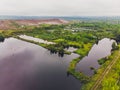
[[26, 66], [98, 51], [35, 39]]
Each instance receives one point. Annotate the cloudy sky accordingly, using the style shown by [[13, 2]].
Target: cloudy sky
[[60, 7]]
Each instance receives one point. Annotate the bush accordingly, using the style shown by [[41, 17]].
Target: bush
[[1, 38]]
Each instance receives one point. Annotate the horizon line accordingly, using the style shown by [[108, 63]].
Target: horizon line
[[61, 15]]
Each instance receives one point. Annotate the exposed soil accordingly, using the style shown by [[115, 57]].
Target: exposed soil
[[14, 24]]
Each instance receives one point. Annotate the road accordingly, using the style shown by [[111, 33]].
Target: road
[[106, 71]]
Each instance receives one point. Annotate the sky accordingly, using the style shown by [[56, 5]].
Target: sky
[[60, 7]]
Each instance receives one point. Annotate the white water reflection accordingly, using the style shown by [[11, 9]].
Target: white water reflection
[[98, 51], [35, 39], [26, 66]]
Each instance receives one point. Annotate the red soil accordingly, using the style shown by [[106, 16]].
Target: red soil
[[12, 24]]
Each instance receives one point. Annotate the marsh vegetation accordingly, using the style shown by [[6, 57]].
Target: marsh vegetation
[[80, 35]]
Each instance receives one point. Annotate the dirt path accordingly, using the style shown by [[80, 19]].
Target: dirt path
[[106, 71]]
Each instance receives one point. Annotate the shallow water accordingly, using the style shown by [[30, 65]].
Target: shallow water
[[71, 49], [35, 39]]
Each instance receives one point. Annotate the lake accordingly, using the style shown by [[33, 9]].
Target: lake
[[26, 66], [35, 39], [98, 51]]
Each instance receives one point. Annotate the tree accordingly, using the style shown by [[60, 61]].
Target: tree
[[1, 38], [114, 46]]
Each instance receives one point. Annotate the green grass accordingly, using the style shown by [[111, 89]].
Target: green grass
[[99, 72], [78, 75], [111, 80], [71, 69]]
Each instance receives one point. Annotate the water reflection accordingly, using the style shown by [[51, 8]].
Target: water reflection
[[35, 39], [26, 66], [98, 51]]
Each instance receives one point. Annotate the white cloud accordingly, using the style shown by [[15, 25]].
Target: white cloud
[[60, 7]]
